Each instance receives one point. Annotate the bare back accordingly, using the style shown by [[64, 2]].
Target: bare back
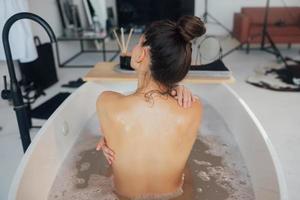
[[151, 142]]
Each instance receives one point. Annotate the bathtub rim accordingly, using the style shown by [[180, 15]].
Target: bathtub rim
[[13, 189], [14, 186], [274, 156]]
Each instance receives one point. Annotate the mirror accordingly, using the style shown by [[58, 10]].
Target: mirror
[[69, 14], [96, 14]]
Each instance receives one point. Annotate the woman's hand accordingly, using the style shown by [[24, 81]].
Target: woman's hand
[[183, 95], [108, 153]]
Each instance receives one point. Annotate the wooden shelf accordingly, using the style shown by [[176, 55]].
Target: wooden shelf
[[106, 71]]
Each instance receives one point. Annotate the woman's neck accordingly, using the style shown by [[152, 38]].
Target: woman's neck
[[147, 84]]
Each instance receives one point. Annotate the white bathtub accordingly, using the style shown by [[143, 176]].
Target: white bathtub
[[40, 164]]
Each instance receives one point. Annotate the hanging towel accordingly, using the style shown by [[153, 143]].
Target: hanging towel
[[20, 34]]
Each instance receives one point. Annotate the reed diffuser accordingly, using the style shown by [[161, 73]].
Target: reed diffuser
[[124, 55]]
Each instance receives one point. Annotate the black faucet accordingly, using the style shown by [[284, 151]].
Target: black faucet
[[15, 92]]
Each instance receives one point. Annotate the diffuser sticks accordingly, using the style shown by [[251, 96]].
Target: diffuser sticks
[[121, 40]]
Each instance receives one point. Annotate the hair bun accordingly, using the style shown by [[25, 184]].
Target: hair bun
[[190, 27]]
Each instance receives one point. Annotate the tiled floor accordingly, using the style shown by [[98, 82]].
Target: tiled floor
[[277, 111]]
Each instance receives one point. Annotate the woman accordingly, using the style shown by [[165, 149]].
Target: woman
[[150, 134]]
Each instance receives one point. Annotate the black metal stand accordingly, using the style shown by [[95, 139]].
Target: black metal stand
[[104, 51], [266, 36], [272, 49], [15, 91], [206, 14]]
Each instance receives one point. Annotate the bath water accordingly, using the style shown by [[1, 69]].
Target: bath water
[[215, 169]]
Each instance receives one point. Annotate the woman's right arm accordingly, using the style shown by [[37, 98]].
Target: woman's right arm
[[108, 153], [102, 144]]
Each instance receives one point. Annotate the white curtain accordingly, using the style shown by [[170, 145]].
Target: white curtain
[[20, 36]]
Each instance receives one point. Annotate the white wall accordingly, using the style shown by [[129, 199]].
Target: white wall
[[223, 10]]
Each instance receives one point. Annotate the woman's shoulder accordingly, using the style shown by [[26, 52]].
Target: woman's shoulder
[[109, 94], [197, 105], [192, 113], [193, 116], [107, 97]]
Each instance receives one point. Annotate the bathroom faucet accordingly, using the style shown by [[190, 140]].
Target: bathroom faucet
[[15, 92]]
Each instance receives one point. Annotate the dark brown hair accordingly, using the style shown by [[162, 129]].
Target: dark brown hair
[[171, 48]]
